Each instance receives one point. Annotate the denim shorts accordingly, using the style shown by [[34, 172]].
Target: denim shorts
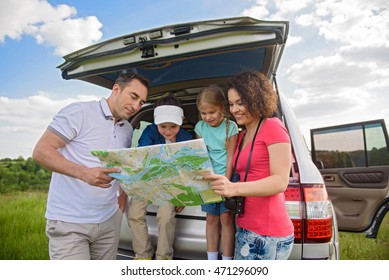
[[215, 209], [252, 246]]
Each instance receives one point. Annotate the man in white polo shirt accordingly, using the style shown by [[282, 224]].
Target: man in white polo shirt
[[83, 211]]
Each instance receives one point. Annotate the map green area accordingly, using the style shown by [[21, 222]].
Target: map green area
[[163, 174]]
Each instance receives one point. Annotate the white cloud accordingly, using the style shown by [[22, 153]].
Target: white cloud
[[292, 40], [258, 10], [24, 120], [291, 7], [338, 65], [54, 26], [276, 9], [351, 22], [358, 68], [79, 33], [325, 74], [373, 57], [339, 90]]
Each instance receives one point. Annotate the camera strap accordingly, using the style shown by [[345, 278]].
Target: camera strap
[[251, 151]]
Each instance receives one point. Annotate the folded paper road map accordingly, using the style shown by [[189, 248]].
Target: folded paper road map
[[163, 174]]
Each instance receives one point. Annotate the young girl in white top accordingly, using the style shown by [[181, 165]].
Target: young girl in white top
[[220, 136]]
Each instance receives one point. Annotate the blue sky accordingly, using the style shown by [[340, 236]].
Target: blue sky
[[335, 68]]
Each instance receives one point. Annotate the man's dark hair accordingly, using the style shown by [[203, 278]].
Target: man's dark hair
[[124, 79]]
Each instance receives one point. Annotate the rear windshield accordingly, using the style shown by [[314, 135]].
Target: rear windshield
[[215, 66]]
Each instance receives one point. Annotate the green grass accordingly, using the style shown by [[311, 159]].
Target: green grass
[[22, 226], [22, 232], [357, 247]]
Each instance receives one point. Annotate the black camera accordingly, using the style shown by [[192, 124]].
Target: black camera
[[235, 204]]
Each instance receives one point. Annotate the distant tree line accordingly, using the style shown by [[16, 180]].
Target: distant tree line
[[341, 159], [22, 175]]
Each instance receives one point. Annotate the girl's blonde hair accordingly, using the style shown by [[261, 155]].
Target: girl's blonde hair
[[214, 95]]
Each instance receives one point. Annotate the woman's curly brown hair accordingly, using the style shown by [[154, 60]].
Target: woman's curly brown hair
[[256, 93]]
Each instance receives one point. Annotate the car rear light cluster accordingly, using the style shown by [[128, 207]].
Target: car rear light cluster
[[310, 211]]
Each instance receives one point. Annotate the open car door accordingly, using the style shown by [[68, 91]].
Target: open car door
[[354, 162]]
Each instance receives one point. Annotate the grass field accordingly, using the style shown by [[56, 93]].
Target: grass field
[[22, 226], [357, 247], [22, 237]]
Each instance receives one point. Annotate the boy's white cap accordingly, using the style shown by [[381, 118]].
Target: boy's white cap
[[168, 113]]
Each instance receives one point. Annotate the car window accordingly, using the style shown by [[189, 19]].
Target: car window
[[199, 67], [359, 145], [376, 146]]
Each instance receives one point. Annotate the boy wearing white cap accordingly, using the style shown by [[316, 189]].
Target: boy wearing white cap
[[168, 116]]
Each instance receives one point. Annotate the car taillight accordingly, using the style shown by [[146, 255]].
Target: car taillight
[[310, 211]]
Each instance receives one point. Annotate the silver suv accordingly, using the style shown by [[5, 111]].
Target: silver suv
[[181, 59]]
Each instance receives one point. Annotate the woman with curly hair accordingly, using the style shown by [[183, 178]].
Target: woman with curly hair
[[262, 160]]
